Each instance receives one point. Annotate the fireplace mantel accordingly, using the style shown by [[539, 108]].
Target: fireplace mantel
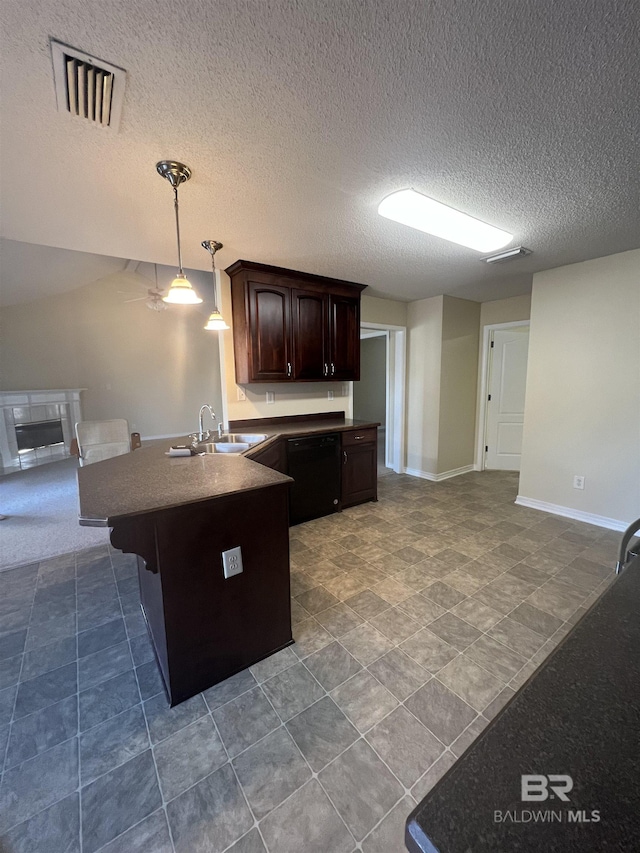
[[36, 405]]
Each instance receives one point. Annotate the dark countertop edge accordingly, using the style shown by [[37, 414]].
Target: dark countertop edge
[[109, 521], [113, 519], [301, 431], [416, 840]]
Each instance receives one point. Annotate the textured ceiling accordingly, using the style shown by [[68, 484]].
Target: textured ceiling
[[299, 116]]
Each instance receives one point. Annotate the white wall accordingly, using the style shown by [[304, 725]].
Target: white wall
[[383, 311], [505, 310], [441, 385], [582, 409], [370, 393], [153, 368], [424, 356], [459, 368]]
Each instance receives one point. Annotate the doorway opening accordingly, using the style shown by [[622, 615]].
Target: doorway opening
[[379, 395], [502, 395]]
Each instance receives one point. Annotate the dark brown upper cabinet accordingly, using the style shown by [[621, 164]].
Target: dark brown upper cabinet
[[292, 326], [269, 319], [344, 337], [309, 335]]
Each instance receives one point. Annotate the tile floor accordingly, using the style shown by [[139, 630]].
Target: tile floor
[[416, 618]]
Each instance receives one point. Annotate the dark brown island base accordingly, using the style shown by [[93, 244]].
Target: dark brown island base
[[180, 515]]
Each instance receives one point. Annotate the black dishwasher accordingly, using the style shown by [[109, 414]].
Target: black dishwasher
[[314, 464]]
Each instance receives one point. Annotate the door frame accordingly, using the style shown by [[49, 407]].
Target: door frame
[[481, 431], [395, 387]]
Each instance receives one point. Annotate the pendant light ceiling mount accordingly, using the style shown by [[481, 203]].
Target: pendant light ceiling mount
[[181, 291], [176, 173], [211, 246]]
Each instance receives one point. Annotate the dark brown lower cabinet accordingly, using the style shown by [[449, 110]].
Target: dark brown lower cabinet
[[274, 456], [359, 466], [205, 627]]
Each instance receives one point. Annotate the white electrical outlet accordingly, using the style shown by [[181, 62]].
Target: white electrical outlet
[[329, 395], [271, 398], [232, 562], [578, 482], [241, 395]]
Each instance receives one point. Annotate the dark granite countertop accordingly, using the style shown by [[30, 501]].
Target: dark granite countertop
[[274, 431], [147, 481], [579, 716]]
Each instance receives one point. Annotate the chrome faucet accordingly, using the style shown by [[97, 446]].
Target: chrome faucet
[[202, 434]]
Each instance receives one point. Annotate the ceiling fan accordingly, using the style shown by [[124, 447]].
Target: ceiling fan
[[154, 295]]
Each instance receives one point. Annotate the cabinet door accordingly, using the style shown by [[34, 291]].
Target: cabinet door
[[359, 474], [309, 335], [269, 332], [344, 337]]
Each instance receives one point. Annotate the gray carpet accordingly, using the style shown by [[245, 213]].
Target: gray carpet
[[41, 505]]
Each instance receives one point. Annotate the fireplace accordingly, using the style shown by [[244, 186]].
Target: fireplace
[[39, 434], [37, 426]]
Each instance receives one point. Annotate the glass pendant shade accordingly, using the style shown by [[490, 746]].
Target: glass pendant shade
[[181, 292], [216, 322]]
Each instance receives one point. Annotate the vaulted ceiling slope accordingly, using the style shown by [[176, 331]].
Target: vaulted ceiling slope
[[299, 116]]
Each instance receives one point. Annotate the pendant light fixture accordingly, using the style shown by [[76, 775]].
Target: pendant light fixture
[[181, 292], [215, 322]]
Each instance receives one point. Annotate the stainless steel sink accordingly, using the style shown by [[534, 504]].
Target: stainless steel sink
[[231, 443], [241, 438], [222, 447]]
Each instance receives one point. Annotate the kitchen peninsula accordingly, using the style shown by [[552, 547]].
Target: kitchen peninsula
[[178, 515]]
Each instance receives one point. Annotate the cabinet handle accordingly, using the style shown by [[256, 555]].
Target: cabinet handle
[[288, 368], [326, 369], [358, 437], [333, 368], [344, 453]]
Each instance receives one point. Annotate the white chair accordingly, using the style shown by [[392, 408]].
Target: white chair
[[97, 440]]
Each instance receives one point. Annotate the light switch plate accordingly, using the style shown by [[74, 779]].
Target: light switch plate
[[232, 562]]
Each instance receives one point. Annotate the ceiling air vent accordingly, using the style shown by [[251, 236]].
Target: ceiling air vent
[[87, 87], [507, 255]]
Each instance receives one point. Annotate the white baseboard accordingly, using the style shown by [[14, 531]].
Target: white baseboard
[[575, 514], [436, 478]]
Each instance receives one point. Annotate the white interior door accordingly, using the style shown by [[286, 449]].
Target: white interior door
[[505, 399]]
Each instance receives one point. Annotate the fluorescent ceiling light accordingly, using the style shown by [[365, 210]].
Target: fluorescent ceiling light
[[419, 211]]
